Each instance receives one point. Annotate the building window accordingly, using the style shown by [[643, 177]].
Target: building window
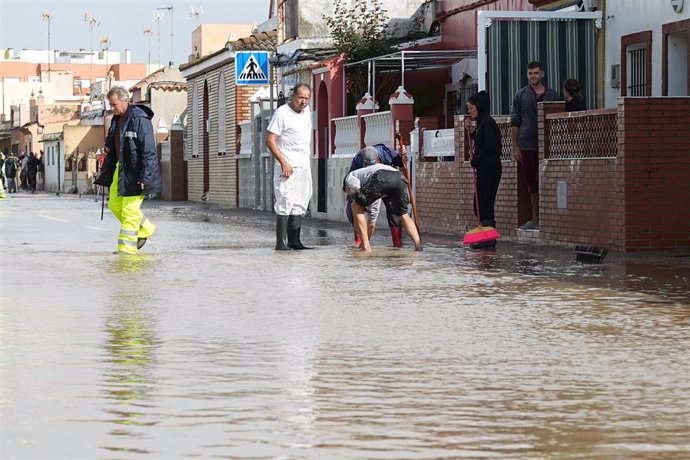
[[636, 64], [222, 122], [195, 120], [675, 65], [637, 70]]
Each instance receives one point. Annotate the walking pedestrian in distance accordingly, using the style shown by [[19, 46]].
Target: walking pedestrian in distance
[[289, 140], [525, 134], [131, 169]]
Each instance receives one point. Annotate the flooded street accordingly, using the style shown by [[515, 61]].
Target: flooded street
[[210, 344]]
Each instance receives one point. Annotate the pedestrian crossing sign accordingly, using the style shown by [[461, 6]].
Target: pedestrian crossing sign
[[251, 67]]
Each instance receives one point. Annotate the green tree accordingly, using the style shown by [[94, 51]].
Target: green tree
[[360, 30]]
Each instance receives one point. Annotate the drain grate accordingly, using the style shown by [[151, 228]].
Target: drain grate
[[590, 254]]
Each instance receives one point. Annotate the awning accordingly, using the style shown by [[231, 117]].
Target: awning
[[415, 61]]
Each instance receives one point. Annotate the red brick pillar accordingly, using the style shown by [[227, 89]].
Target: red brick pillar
[[365, 105], [402, 104], [544, 109]]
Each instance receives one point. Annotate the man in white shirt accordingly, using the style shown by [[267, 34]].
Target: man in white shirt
[[289, 140]]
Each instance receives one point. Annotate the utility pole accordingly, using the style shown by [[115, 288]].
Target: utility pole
[[170, 8], [47, 17]]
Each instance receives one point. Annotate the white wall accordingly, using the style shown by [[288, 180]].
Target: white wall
[[625, 17], [312, 12], [678, 64], [17, 92]]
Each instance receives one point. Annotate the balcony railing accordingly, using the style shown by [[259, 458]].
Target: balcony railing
[[377, 128], [346, 136]]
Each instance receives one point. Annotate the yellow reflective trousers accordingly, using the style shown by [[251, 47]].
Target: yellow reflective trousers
[[133, 223]]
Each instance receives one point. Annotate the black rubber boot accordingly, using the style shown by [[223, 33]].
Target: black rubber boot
[[281, 233], [294, 227]]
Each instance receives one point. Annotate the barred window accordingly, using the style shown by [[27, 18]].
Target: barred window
[[637, 70]]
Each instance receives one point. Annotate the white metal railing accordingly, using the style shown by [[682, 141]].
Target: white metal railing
[[378, 128], [346, 136], [245, 137], [439, 143]]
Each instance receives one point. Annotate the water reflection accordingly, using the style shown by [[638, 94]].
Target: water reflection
[[130, 349]]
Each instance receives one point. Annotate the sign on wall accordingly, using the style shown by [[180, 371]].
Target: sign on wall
[[251, 67]]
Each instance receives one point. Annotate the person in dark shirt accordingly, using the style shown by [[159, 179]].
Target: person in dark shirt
[[525, 133], [32, 167], [486, 160], [574, 101]]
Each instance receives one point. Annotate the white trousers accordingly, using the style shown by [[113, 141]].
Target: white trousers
[[292, 193]]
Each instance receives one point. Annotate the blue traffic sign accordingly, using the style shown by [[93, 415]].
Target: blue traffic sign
[[251, 67]]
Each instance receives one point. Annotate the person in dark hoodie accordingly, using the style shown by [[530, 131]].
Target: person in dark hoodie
[[131, 168], [486, 160]]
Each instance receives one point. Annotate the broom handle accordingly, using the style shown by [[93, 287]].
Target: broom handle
[[476, 193], [403, 152]]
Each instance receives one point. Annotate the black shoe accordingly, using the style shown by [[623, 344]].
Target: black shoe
[[294, 228], [141, 242], [282, 233]]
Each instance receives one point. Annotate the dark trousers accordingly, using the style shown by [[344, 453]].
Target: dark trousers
[[488, 179], [32, 180]]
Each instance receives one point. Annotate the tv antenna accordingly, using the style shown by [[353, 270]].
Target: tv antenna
[[196, 13]]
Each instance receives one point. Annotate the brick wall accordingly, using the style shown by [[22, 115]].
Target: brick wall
[[656, 152], [445, 192]]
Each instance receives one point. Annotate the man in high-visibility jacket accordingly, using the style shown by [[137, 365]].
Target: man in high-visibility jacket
[[131, 168]]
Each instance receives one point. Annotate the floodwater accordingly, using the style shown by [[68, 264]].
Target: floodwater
[[210, 344]]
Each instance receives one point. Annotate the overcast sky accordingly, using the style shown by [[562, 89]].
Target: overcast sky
[[21, 24]]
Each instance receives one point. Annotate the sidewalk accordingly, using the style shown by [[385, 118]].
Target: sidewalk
[[679, 258]]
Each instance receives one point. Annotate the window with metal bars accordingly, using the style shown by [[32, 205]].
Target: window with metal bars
[[637, 70]]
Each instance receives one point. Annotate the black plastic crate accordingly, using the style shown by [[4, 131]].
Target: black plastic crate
[[590, 254]]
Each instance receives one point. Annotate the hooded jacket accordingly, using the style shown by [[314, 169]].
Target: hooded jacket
[[487, 136], [138, 157]]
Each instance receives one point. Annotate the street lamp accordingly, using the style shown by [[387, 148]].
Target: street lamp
[[92, 21], [147, 33], [105, 45], [47, 17]]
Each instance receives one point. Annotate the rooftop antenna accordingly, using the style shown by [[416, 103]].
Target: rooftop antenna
[[47, 17], [92, 21], [196, 13], [170, 8], [157, 18]]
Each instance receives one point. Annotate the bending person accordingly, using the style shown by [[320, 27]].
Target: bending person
[[366, 157], [368, 184]]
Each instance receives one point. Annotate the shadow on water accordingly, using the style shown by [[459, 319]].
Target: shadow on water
[[130, 358]]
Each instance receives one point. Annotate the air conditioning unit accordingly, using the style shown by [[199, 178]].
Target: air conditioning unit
[[616, 76], [589, 5]]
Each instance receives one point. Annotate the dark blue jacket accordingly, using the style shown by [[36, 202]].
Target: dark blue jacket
[[138, 157]]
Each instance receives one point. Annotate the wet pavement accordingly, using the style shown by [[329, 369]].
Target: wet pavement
[[210, 344]]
